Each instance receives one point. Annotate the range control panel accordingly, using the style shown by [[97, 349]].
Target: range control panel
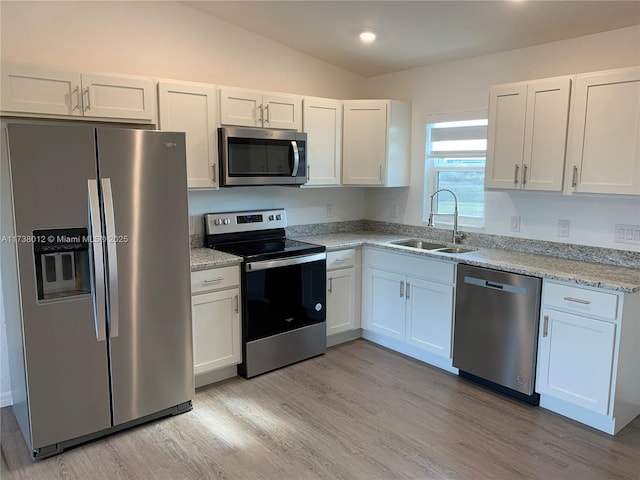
[[246, 221]]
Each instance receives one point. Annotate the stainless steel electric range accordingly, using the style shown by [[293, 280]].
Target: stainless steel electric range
[[283, 288]]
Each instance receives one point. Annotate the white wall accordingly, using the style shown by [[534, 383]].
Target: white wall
[[463, 86]]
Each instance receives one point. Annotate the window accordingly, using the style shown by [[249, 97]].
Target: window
[[455, 159]]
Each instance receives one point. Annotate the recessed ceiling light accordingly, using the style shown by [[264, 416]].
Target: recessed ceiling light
[[367, 36]]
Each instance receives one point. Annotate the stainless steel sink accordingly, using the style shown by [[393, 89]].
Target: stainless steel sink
[[456, 250], [422, 244]]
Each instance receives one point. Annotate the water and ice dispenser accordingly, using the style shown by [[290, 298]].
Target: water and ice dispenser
[[62, 263]]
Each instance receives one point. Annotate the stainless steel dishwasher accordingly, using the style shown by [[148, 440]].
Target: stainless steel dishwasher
[[496, 330]]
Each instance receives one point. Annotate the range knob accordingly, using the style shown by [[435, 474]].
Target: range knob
[[271, 218], [278, 217], [217, 221], [226, 221]]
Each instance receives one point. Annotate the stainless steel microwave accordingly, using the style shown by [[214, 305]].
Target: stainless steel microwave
[[261, 156]]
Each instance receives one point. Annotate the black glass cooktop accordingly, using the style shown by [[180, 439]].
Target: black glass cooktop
[[270, 249]]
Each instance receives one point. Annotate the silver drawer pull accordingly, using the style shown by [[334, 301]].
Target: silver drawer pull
[[213, 280], [340, 260], [545, 329], [577, 300]]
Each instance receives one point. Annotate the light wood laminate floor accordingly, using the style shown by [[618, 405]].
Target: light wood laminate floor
[[358, 412]]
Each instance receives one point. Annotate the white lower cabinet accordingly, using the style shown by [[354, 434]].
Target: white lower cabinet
[[588, 355], [408, 304], [215, 305], [343, 294]]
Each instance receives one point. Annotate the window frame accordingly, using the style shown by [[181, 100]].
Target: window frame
[[432, 169]]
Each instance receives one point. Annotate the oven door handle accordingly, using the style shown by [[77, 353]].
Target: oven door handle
[[283, 262]]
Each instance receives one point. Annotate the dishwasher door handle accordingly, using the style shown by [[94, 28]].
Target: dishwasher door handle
[[487, 283], [503, 287]]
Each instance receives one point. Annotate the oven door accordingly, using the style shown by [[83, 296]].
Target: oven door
[[283, 294]]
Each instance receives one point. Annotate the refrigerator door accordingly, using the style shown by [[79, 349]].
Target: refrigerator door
[[144, 193], [66, 365]]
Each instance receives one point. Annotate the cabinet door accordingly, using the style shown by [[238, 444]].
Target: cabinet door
[[118, 97], [507, 111], [429, 316], [28, 89], [240, 107], [216, 330], [605, 138], [341, 286], [281, 111], [575, 358], [364, 147], [385, 309], [192, 109], [546, 134], [322, 119]]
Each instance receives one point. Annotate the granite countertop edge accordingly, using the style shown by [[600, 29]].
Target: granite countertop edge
[[206, 258], [572, 271]]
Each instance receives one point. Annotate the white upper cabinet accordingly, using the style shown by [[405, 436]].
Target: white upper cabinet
[[376, 143], [249, 108], [527, 134], [46, 92], [604, 147], [192, 108], [322, 122]]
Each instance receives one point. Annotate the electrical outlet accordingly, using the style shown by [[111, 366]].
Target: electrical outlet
[[394, 211], [563, 228], [515, 223], [627, 234], [329, 210]]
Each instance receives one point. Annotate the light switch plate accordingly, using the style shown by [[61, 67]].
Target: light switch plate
[[627, 234], [515, 223], [563, 228]]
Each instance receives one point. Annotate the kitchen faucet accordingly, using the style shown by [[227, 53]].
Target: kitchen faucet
[[456, 235]]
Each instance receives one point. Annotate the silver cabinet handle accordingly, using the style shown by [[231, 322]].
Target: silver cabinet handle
[[261, 114], [96, 262], [574, 178], [237, 304], [266, 111], [308, 172], [88, 105], [330, 284], [213, 280], [296, 158], [401, 289], [213, 171], [408, 291], [75, 91], [545, 328], [380, 173], [524, 175], [577, 300], [112, 256], [515, 176], [340, 260]]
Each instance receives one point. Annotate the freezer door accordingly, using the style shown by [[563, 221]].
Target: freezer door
[[144, 192], [66, 365]]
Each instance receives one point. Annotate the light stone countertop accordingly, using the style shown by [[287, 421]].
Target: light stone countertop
[[204, 258], [582, 273]]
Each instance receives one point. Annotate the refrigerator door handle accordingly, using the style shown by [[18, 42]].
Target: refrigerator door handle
[[96, 260], [112, 256]]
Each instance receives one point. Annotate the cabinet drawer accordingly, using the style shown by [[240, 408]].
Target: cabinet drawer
[[581, 300], [412, 265], [341, 258], [214, 279]]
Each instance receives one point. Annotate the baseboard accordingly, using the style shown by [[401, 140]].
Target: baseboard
[[6, 399], [216, 376], [338, 338]]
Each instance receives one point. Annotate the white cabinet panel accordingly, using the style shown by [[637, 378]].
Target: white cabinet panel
[[118, 97], [341, 298], [429, 316], [248, 108], [575, 359], [281, 111], [386, 308], [605, 138], [193, 109], [216, 330], [322, 121]]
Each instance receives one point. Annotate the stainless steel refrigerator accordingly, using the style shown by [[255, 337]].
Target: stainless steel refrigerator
[[96, 280]]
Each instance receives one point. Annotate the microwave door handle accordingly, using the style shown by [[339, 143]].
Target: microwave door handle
[[296, 158]]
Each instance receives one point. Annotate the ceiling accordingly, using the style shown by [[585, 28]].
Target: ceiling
[[418, 33]]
